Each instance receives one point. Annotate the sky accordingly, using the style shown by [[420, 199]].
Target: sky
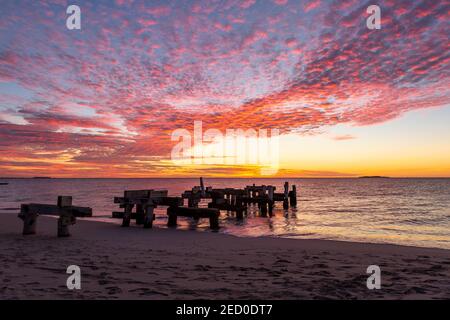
[[105, 100]]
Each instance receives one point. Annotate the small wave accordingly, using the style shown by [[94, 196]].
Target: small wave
[[344, 210], [296, 235], [413, 221]]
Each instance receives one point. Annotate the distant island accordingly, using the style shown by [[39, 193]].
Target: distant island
[[18, 178], [373, 177]]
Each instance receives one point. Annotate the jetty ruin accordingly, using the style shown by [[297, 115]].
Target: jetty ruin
[[227, 199], [139, 205]]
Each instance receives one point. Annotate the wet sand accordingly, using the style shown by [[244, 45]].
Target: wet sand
[[137, 263]]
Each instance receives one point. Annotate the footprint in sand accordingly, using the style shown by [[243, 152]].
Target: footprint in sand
[[202, 267], [113, 290], [281, 261]]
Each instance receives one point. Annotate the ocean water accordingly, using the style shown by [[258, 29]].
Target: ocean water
[[399, 211]]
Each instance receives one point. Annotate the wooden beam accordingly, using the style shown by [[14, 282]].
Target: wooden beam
[[196, 213], [54, 210], [64, 210], [137, 194]]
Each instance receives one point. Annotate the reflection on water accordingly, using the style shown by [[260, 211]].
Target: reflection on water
[[402, 211]]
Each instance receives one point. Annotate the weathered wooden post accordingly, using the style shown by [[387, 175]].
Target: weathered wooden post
[[127, 215], [139, 214], [270, 196], [149, 216], [293, 196], [247, 197], [239, 214], [202, 187], [29, 220], [66, 218], [263, 207], [251, 197], [214, 222], [172, 220], [263, 201], [228, 197], [254, 194], [286, 193]]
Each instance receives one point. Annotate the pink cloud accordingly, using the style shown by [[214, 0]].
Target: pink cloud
[[312, 4], [247, 3], [281, 2], [344, 137], [113, 97]]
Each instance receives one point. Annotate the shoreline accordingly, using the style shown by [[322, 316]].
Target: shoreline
[[106, 218], [117, 222], [137, 263]]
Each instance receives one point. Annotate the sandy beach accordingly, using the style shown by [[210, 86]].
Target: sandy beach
[[135, 263]]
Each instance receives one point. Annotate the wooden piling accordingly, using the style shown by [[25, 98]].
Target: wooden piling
[[127, 215], [148, 217], [64, 201], [29, 220], [202, 187], [286, 193], [293, 196], [139, 214], [239, 214], [270, 192], [172, 217], [228, 199], [64, 221], [265, 201], [66, 217], [263, 206], [214, 222]]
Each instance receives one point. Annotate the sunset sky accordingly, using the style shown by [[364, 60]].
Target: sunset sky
[[103, 101]]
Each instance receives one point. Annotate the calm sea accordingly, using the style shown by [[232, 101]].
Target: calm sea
[[401, 211]]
